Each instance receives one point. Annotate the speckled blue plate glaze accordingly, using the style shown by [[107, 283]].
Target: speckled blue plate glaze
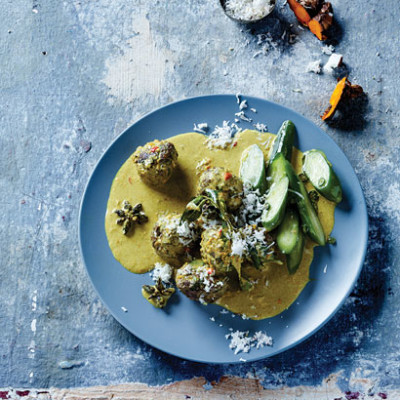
[[184, 329]]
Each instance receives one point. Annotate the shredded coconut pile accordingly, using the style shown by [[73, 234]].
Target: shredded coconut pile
[[186, 233], [253, 206], [222, 136], [239, 244], [249, 10], [163, 271], [241, 341]]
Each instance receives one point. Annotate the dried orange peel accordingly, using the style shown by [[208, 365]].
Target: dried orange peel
[[343, 90], [319, 21]]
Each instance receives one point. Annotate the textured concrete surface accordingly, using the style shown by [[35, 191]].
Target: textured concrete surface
[[74, 74]]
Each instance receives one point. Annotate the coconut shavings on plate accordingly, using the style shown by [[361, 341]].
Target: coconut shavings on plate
[[163, 271], [222, 136], [240, 341]]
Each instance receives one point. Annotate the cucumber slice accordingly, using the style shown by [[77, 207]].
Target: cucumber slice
[[252, 168], [311, 224], [288, 232], [320, 173], [293, 259], [276, 200], [284, 141]]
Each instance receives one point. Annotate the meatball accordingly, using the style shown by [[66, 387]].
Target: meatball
[[198, 281], [156, 162], [173, 241], [216, 248], [229, 186]]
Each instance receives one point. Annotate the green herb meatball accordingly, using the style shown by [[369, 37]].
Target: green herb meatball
[[228, 186], [156, 162], [216, 248], [198, 281], [173, 241]]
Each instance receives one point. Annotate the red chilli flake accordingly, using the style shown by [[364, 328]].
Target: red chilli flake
[[154, 149], [210, 271], [227, 176], [235, 144], [279, 301], [130, 180]]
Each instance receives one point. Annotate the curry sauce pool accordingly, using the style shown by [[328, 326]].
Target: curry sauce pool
[[275, 290]]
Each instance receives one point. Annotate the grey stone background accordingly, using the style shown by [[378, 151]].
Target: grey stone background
[[74, 74]]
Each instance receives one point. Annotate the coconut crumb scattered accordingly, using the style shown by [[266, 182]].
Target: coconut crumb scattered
[[243, 105], [201, 128], [241, 115], [238, 95], [314, 66], [260, 127], [335, 60], [328, 50], [240, 341]]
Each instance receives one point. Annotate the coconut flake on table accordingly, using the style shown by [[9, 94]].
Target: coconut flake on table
[[249, 10], [162, 271], [314, 66], [334, 62], [328, 50]]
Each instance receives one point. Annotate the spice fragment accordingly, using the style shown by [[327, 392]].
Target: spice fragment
[[128, 215], [157, 295]]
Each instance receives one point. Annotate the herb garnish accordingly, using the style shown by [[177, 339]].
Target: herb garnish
[[157, 295], [128, 215], [209, 198]]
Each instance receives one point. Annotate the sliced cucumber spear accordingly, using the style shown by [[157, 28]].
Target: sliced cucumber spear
[[290, 240], [311, 224], [319, 171], [293, 259], [276, 199], [252, 168], [284, 141], [288, 231]]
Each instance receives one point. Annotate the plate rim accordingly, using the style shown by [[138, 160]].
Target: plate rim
[[273, 352]]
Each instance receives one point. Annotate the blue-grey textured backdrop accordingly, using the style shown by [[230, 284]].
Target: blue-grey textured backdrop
[[75, 73]]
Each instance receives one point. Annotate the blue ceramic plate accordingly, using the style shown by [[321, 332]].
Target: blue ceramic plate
[[184, 329]]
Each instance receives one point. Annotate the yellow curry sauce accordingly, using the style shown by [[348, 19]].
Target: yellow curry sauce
[[276, 289]]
